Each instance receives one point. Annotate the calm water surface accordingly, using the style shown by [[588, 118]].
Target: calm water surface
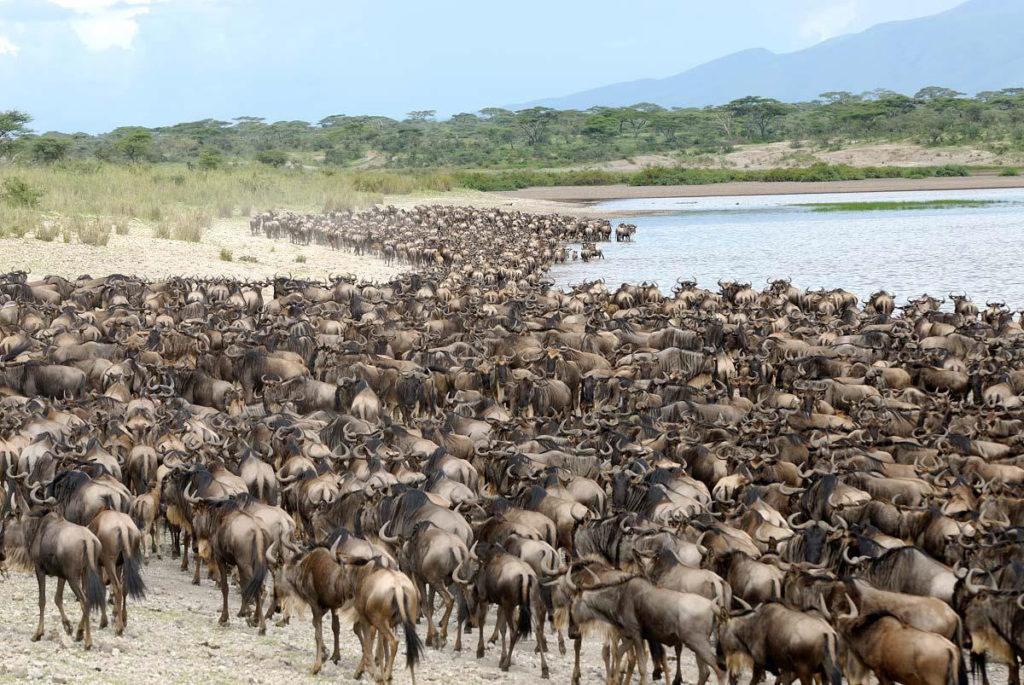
[[751, 239]]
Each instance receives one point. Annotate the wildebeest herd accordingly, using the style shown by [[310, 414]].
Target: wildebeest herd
[[780, 481]]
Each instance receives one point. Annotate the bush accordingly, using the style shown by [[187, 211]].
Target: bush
[[1009, 171], [274, 158], [18, 193], [301, 259], [226, 255], [950, 170], [209, 159], [121, 225]]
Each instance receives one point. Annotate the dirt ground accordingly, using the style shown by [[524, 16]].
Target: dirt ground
[[139, 253], [173, 637], [784, 154]]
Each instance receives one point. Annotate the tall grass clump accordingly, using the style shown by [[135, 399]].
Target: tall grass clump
[[15, 222], [46, 232], [1009, 171], [92, 231], [189, 225], [226, 255]]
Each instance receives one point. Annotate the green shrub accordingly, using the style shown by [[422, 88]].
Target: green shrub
[[226, 255], [18, 193], [274, 158], [301, 259], [1009, 171]]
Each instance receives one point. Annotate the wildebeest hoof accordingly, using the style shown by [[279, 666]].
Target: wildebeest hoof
[[35, 638], [480, 653], [67, 627], [545, 673]]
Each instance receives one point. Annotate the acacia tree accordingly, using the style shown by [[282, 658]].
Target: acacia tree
[[13, 125], [534, 122], [761, 112]]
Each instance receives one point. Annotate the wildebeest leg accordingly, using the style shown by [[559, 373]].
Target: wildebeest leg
[[184, 540], [576, 644], [261, 620], [481, 617], [1013, 670], [318, 633], [497, 625], [545, 673], [678, 680], [58, 599], [357, 628], [390, 644], [757, 675], [427, 607], [336, 629], [224, 595], [77, 586], [41, 580], [449, 604], [504, 625], [640, 658], [198, 561]]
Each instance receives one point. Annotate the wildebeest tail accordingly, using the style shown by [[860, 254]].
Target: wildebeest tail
[[259, 569], [95, 590], [960, 677], [413, 644], [830, 660], [130, 565], [525, 617]]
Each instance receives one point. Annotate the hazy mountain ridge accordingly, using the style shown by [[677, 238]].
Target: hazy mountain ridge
[[973, 47]]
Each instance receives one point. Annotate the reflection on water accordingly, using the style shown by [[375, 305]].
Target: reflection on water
[[752, 239]]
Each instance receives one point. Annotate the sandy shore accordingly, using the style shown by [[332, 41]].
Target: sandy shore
[[139, 253], [576, 195]]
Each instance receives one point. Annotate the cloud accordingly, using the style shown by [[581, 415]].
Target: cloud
[[105, 24], [830, 21], [8, 48]]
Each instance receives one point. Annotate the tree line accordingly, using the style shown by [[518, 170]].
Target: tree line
[[543, 137]]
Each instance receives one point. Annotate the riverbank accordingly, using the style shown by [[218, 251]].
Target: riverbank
[[574, 196]]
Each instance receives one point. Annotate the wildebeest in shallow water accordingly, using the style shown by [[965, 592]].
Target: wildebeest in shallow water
[[718, 443]]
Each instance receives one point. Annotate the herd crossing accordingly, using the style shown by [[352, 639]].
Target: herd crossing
[[776, 480]]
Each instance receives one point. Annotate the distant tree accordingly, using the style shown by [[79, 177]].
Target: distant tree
[[760, 111], [534, 123], [136, 145], [274, 158], [936, 93], [421, 115], [50, 149], [209, 159], [840, 97], [13, 125], [724, 117]]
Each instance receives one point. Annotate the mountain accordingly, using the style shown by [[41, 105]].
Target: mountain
[[973, 47]]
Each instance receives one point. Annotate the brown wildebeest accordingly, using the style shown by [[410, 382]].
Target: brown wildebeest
[[120, 556], [52, 546]]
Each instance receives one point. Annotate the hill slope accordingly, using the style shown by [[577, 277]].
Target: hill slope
[[973, 47]]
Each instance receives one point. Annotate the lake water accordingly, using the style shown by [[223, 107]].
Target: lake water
[[752, 239]]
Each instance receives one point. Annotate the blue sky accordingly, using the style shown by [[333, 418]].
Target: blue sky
[[92, 65]]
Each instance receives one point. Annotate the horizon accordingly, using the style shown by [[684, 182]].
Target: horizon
[[148, 63]]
